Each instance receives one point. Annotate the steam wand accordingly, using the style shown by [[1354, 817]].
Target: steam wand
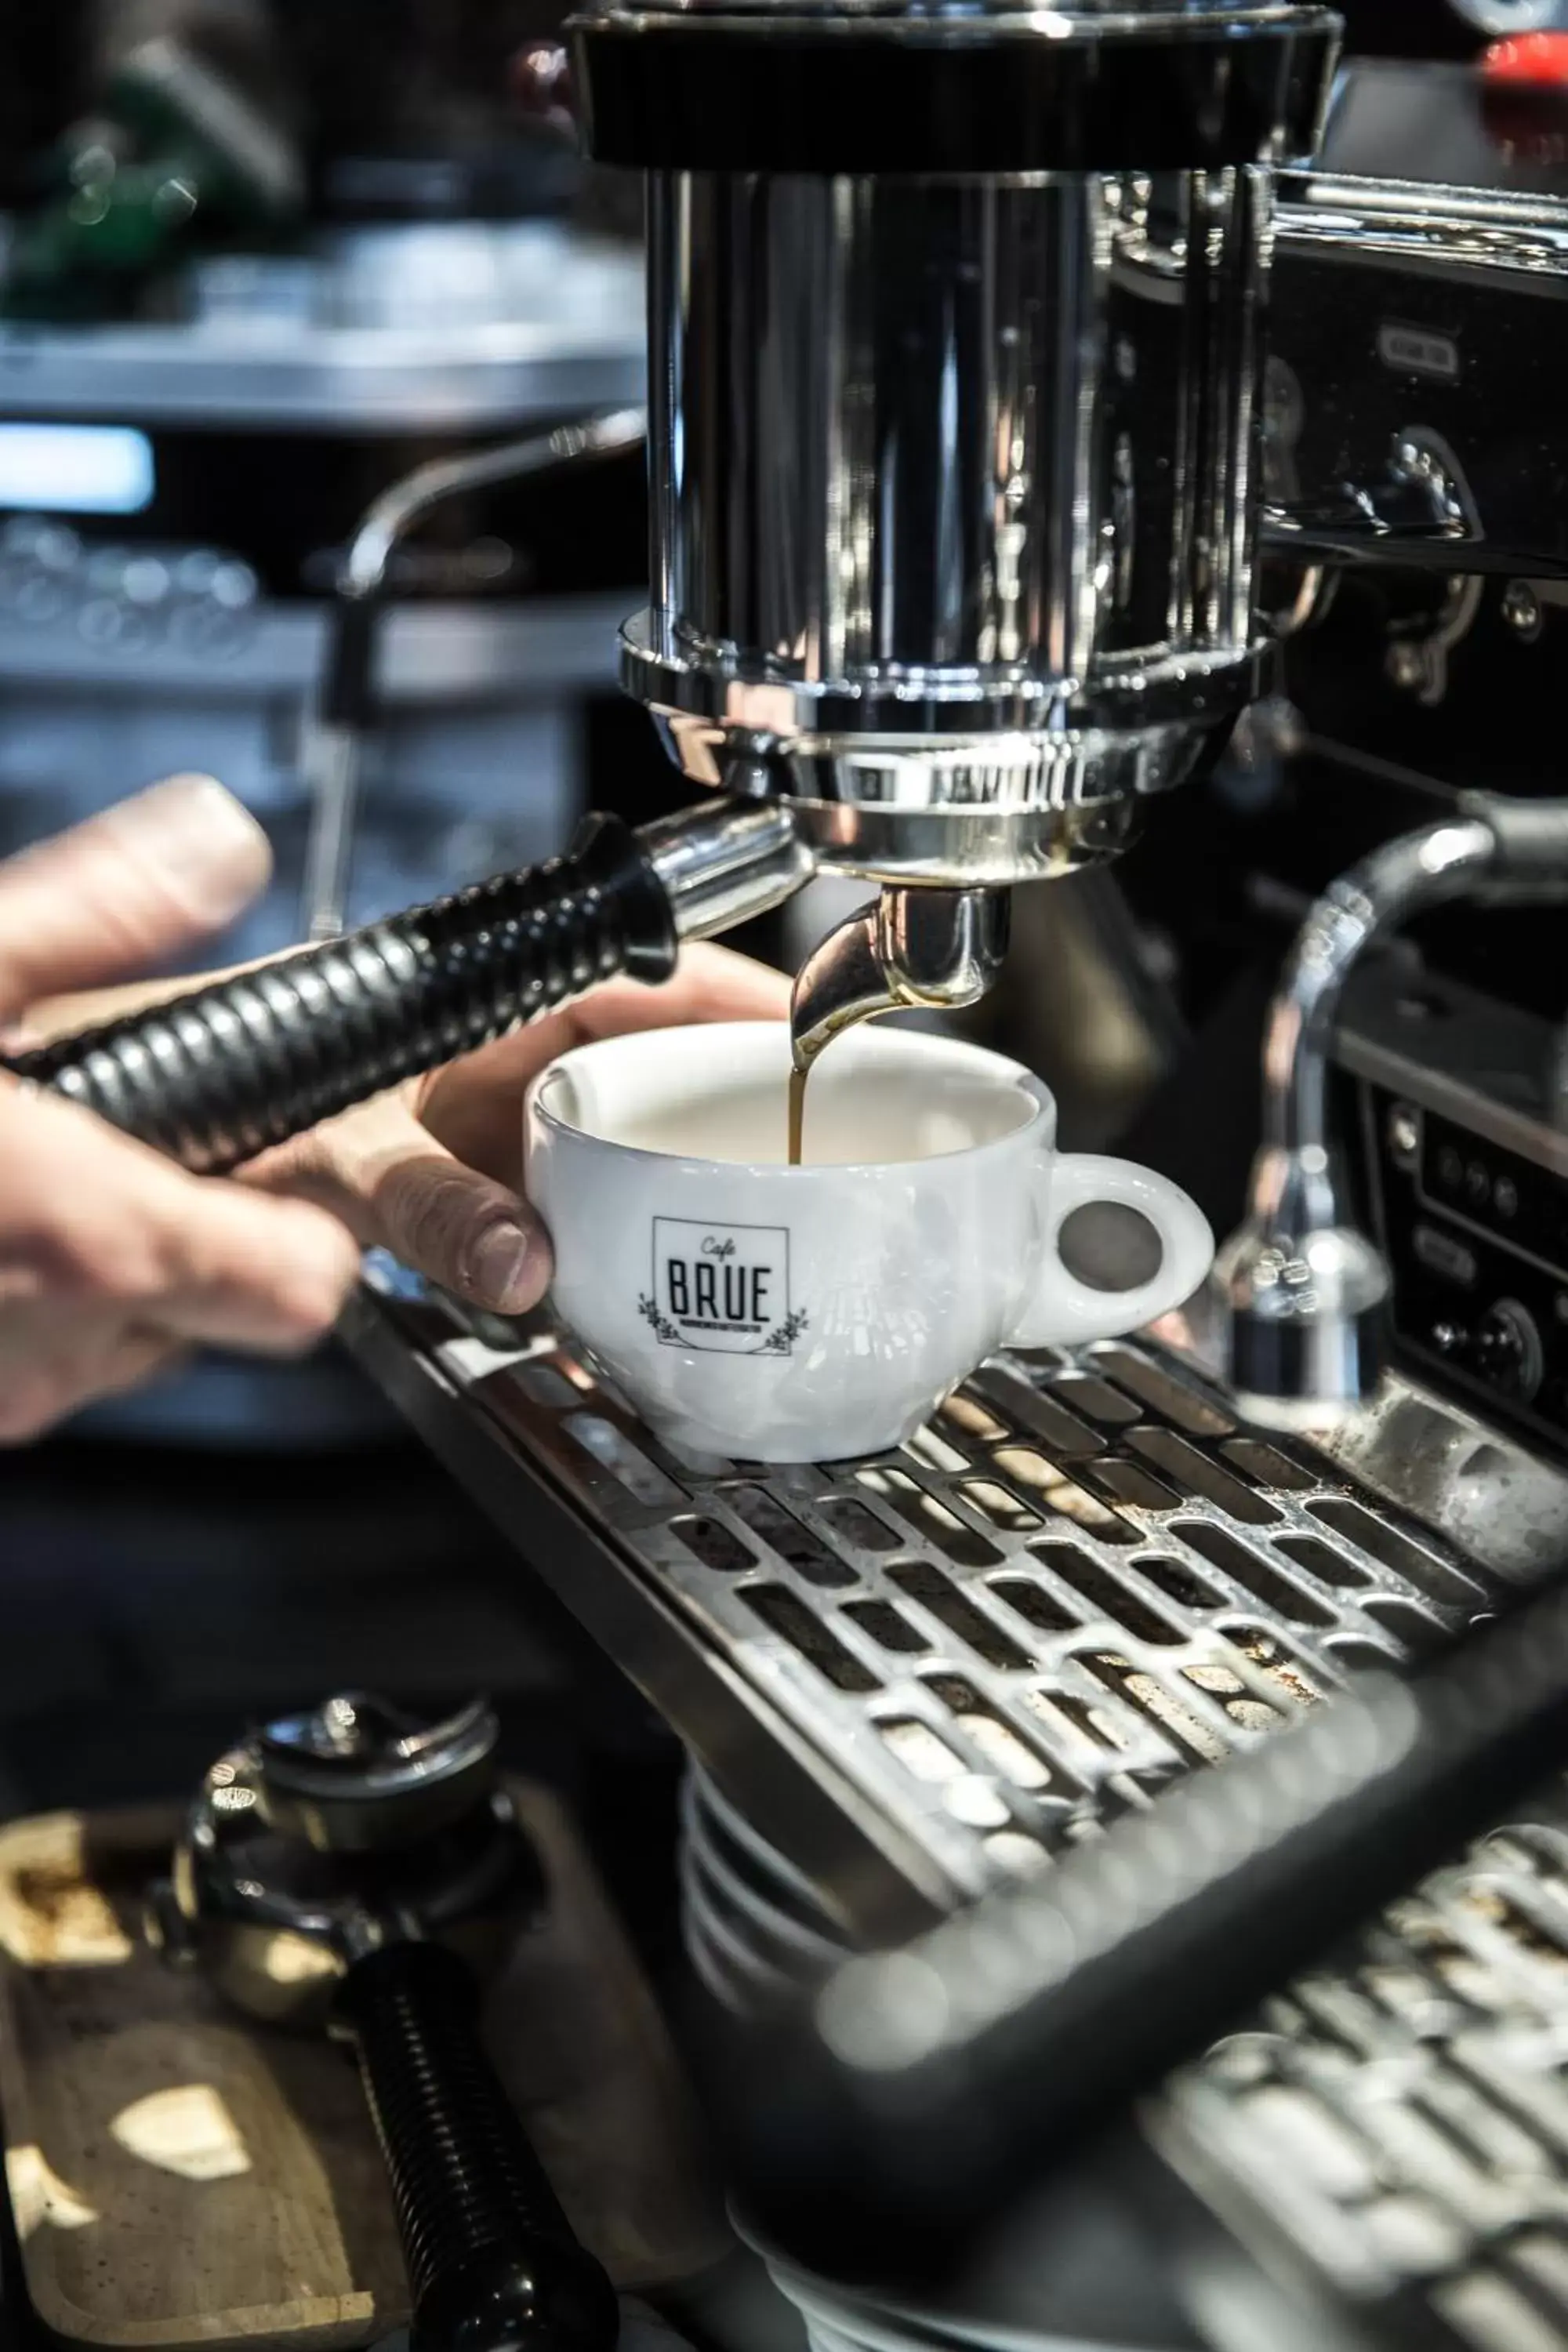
[[1300, 1291], [334, 754]]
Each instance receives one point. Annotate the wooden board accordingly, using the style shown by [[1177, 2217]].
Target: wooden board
[[180, 2177]]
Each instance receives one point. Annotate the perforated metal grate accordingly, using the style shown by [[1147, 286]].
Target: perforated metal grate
[[1080, 1581], [1404, 2121]]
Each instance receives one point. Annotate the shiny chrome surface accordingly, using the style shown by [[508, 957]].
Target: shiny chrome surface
[[407, 503], [332, 754], [1418, 502], [940, 949], [355, 1774], [327, 1835], [977, 848], [952, 496], [1392, 2125], [1300, 1290], [1414, 221], [725, 863], [917, 1675]]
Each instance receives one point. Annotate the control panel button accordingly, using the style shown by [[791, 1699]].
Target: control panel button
[[1503, 1349], [1442, 1254], [1528, 62]]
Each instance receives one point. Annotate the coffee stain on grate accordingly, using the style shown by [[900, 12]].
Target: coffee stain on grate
[[789, 1537], [1255, 1574], [1289, 1674], [1384, 1542], [1107, 1595], [1195, 1475], [714, 1545], [1169, 1399], [1160, 1705], [954, 1609], [1056, 1516], [784, 1614], [919, 1510], [887, 1626]]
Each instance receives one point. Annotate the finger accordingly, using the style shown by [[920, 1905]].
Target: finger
[[90, 1220], [395, 1186], [48, 1375], [126, 890], [475, 1106]]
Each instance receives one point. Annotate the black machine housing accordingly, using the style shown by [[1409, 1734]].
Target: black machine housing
[[1433, 303]]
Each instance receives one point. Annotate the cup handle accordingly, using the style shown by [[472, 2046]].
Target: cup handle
[[1065, 1311]]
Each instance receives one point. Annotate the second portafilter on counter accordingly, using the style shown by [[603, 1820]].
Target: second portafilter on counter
[[356, 1870]]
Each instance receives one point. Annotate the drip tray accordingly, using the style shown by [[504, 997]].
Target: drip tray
[[915, 1676], [920, 1675]]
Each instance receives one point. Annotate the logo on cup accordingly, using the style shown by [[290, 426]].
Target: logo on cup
[[724, 1288]]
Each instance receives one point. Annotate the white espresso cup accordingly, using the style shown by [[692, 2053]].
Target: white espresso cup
[[812, 1313]]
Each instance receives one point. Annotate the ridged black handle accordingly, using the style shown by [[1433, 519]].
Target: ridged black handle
[[213, 1077], [492, 2263]]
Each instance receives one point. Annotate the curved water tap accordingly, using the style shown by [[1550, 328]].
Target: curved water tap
[[909, 947]]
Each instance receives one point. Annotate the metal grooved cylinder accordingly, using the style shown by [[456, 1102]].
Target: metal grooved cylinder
[[951, 481]]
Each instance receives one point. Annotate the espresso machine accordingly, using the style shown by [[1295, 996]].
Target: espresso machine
[[1040, 403]]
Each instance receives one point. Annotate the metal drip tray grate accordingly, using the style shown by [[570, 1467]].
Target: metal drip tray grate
[[1399, 2130], [907, 1677], [1079, 1581]]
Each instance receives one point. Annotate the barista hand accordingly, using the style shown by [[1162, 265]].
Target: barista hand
[[433, 1172], [112, 1260]]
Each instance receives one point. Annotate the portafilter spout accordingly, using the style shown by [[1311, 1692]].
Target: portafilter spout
[[907, 947]]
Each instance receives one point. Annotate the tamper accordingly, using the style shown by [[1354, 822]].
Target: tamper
[[355, 1869]]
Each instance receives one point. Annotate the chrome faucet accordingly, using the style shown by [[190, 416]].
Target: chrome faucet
[[1300, 1292]]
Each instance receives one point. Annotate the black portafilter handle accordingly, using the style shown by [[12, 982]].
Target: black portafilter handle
[[493, 2266], [884, 2131], [238, 1065]]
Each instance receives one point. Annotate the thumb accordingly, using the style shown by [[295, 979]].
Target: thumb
[[126, 890], [385, 1177]]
